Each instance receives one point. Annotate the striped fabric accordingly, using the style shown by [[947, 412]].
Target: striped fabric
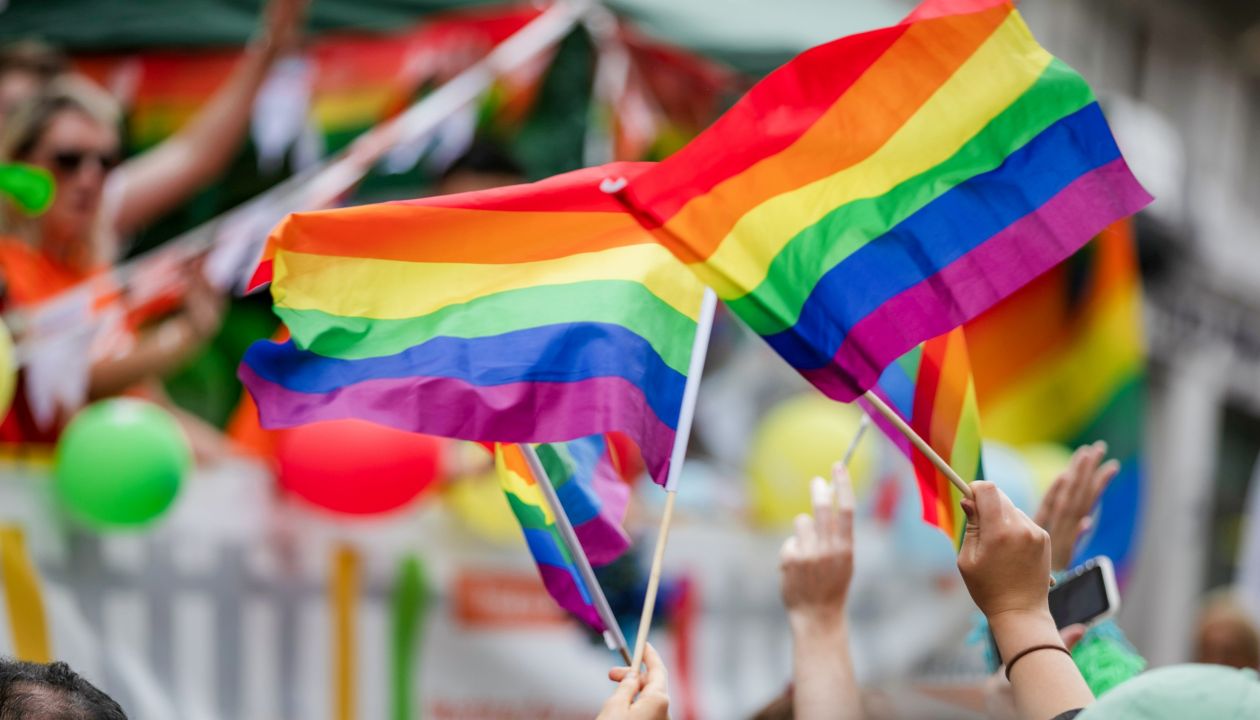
[[534, 313], [931, 387], [1064, 360], [884, 188], [594, 498]]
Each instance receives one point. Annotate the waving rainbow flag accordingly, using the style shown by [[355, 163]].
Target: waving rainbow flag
[[931, 387], [533, 313], [593, 496], [884, 188], [1064, 361]]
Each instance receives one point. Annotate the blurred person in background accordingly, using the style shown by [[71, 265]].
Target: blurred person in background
[[31, 691], [70, 127], [1226, 634], [26, 67]]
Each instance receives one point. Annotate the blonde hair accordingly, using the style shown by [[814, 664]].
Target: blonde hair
[[25, 126]]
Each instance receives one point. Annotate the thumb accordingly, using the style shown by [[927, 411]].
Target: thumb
[[1071, 635], [625, 692]]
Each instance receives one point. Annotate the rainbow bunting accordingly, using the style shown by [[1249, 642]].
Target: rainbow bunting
[[1063, 360], [594, 498], [882, 189], [931, 387], [533, 313]]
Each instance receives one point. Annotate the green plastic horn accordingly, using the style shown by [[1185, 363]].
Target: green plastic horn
[[30, 187]]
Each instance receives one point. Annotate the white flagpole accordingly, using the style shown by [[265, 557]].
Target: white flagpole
[[569, 536], [857, 439], [699, 349]]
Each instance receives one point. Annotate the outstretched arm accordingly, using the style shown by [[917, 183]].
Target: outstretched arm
[[158, 180], [817, 566]]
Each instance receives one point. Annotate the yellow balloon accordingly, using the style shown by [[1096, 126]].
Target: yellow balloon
[[479, 503], [799, 439], [1046, 461], [8, 370]]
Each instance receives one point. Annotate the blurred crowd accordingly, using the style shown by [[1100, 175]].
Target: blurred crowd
[[53, 119]]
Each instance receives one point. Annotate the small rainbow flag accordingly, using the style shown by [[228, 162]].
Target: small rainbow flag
[[884, 188], [1064, 361], [593, 496], [931, 387], [532, 313]]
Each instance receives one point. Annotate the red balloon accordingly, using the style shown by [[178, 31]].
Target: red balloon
[[356, 467]]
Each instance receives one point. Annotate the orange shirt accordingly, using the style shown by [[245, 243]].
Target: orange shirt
[[29, 277]]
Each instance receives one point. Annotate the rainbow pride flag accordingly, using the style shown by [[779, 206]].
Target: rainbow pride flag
[[1063, 360], [932, 388], [594, 497], [884, 188], [532, 313]]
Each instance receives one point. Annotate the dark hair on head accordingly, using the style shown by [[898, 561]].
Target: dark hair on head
[[485, 157], [31, 691], [33, 56]]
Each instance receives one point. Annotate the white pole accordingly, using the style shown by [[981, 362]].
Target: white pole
[[691, 391], [687, 413], [570, 538], [857, 439]]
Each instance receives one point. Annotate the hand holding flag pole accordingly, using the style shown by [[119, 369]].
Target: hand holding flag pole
[[612, 631], [919, 443]]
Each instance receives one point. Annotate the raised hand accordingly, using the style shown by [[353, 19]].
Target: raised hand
[[1065, 511]]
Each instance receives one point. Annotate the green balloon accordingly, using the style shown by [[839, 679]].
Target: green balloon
[[30, 187], [120, 463]]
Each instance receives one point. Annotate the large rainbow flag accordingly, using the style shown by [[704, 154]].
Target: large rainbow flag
[[884, 188], [932, 389], [1063, 360], [532, 313], [593, 496]]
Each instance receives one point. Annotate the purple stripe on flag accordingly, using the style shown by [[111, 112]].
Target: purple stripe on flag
[[562, 586], [977, 280], [453, 408]]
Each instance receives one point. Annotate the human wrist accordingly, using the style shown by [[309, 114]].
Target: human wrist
[[818, 622], [1017, 629]]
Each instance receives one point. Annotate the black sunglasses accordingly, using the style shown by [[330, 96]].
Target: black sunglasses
[[71, 161]]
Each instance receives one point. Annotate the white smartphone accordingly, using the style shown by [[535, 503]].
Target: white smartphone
[[1088, 595]]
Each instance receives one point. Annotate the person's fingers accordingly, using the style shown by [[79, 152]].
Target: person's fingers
[[846, 499], [618, 674], [1103, 478], [1084, 525], [1079, 457], [826, 519], [625, 691], [657, 675], [790, 550], [1049, 504], [971, 536], [1082, 488], [1071, 635], [806, 533], [990, 509]]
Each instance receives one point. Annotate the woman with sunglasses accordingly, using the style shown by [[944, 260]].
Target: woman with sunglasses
[[71, 129]]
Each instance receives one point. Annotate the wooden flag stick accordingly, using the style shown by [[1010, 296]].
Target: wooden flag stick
[[891, 416], [687, 413], [570, 538]]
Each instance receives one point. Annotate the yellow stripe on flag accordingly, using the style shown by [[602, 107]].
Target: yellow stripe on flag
[[999, 72], [393, 289]]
